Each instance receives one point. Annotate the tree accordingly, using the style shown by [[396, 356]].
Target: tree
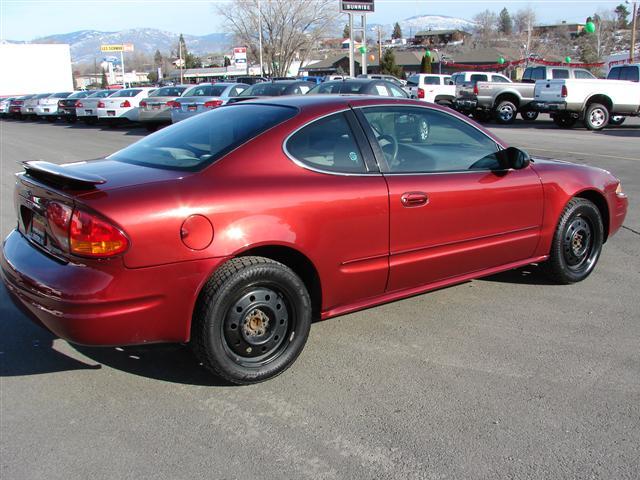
[[485, 25], [157, 59], [346, 33], [227, 61], [104, 82], [397, 32], [622, 13], [152, 77], [290, 29], [524, 21], [425, 64], [593, 47], [505, 24], [388, 64]]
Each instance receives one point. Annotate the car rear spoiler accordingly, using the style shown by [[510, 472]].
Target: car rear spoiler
[[63, 176]]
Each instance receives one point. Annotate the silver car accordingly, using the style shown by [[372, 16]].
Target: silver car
[[156, 108], [28, 108], [87, 111], [203, 98], [47, 107]]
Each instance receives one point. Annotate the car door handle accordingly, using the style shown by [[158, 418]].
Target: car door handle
[[414, 199]]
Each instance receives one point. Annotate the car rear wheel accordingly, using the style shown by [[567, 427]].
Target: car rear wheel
[[252, 320], [577, 242], [596, 117], [506, 112], [529, 115], [616, 120], [564, 121], [150, 127]]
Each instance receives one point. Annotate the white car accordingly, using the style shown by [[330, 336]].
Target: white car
[[4, 106], [431, 87], [122, 105], [28, 108], [47, 107], [87, 109]]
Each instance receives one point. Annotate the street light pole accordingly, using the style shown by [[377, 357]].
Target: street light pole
[[634, 27], [181, 66], [259, 37]]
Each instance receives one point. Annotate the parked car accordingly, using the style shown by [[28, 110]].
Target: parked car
[[430, 87], [631, 72], [504, 100], [594, 102], [4, 106], [233, 230], [47, 108], [68, 106], [122, 106], [360, 86], [274, 88], [203, 98], [249, 80], [15, 105], [155, 110], [87, 108], [388, 78], [28, 108]]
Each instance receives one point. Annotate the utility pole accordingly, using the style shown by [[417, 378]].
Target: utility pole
[[634, 27], [352, 63], [379, 46], [181, 62], [259, 39]]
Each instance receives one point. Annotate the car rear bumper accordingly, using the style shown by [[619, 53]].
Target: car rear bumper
[[130, 113], [155, 116], [68, 111], [107, 304], [463, 104], [46, 110], [548, 106], [179, 115]]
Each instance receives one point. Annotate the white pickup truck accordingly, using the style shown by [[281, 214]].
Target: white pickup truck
[[431, 87], [596, 102]]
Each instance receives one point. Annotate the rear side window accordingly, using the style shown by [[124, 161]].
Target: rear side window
[[559, 73], [414, 80], [499, 78], [328, 145], [432, 80], [630, 74], [583, 74], [476, 77], [203, 139]]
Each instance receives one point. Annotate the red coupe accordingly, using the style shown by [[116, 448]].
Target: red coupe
[[234, 229]]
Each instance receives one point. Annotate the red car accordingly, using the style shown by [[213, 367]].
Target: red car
[[234, 229]]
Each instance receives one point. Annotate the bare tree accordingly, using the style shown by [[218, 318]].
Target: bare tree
[[290, 29], [524, 21], [486, 25]]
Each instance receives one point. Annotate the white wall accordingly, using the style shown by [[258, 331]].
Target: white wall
[[33, 68]]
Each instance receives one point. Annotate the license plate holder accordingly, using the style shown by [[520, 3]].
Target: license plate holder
[[155, 107], [88, 111], [192, 108], [37, 230], [46, 110], [111, 113]]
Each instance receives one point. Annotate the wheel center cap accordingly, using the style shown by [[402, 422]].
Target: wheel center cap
[[256, 323]]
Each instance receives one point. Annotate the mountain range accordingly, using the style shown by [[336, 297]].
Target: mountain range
[[85, 44]]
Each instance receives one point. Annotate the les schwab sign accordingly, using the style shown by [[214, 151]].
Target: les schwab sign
[[126, 47], [354, 6]]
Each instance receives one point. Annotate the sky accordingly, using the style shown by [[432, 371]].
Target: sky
[[29, 19]]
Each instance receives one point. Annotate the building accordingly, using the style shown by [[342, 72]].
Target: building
[[439, 38], [559, 29], [136, 78]]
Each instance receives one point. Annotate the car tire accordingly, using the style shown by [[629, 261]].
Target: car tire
[[481, 116], [577, 242], [564, 121], [596, 117], [529, 115], [51, 118], [616, 120], [251, 321], [506, 112], [150, 127], [90, 121]]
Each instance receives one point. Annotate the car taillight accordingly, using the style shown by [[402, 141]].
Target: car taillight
[[60, 103], [125, 104], [212, 103], [58, 218], [173, 104], [564, 92], [78, 104], [92, 236], [420, 93], [142, 104], [18, 102], [101, 105], [475, 89]]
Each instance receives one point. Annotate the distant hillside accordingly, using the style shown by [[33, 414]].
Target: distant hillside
[[415, 24], [85, 44]]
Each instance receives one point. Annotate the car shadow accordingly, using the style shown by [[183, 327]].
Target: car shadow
[[528, 275], [631, 131], [28, 349]]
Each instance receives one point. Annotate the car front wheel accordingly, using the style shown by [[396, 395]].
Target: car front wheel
[[252, 320], [577, 242], [506, 112]]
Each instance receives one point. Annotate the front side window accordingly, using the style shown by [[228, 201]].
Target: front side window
[[499, 79], [614, 73], [203, 139], [559, 73], [583, 74], [422, 140], [397, 92], [205, 91], [328, 145]]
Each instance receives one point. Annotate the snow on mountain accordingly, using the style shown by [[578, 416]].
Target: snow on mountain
[[85, 44], [436, 22]]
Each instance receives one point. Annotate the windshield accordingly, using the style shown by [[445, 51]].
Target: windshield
[[206, 91], [168, 92], [126, 93], [265, 89], [203, 139]]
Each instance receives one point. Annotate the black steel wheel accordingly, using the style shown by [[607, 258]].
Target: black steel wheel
[[252, 320], [577, 242]]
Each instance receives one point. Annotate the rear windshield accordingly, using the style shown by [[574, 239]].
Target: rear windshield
[[127, 93], [168, 92], [61, 95], [265, 89], [206, 91], [79, 95], [102, 94], [203, 139], [43, 95], [339, 87]]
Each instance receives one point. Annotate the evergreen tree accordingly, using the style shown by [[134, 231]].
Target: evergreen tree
[[505, 24], [425, 64], [227, 61], [346, 32], [622, 13], [157, 58], [397, 31], [388, 64], [104, 82]]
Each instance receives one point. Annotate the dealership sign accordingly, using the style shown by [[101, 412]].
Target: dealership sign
[[355, 6], [125, 47], [240, 57]]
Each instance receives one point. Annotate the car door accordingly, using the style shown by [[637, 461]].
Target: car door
[[453, 209]]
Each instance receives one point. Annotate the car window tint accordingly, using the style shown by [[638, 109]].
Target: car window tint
[[168, 92], [422, 140], [559, 73], [396, 91], [583, 74], [327, 144], [414, 80], [432, 80], [327, 87], [630, 74], [538, 73], [614, 73], [205, 91], [266, 89], [126, 93], [478, 78], [204, 138], [499, 78]]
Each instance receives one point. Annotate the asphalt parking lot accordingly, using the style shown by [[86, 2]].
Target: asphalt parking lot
[[503, 377]]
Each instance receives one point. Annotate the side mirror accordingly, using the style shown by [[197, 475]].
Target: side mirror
[[513, 157]]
